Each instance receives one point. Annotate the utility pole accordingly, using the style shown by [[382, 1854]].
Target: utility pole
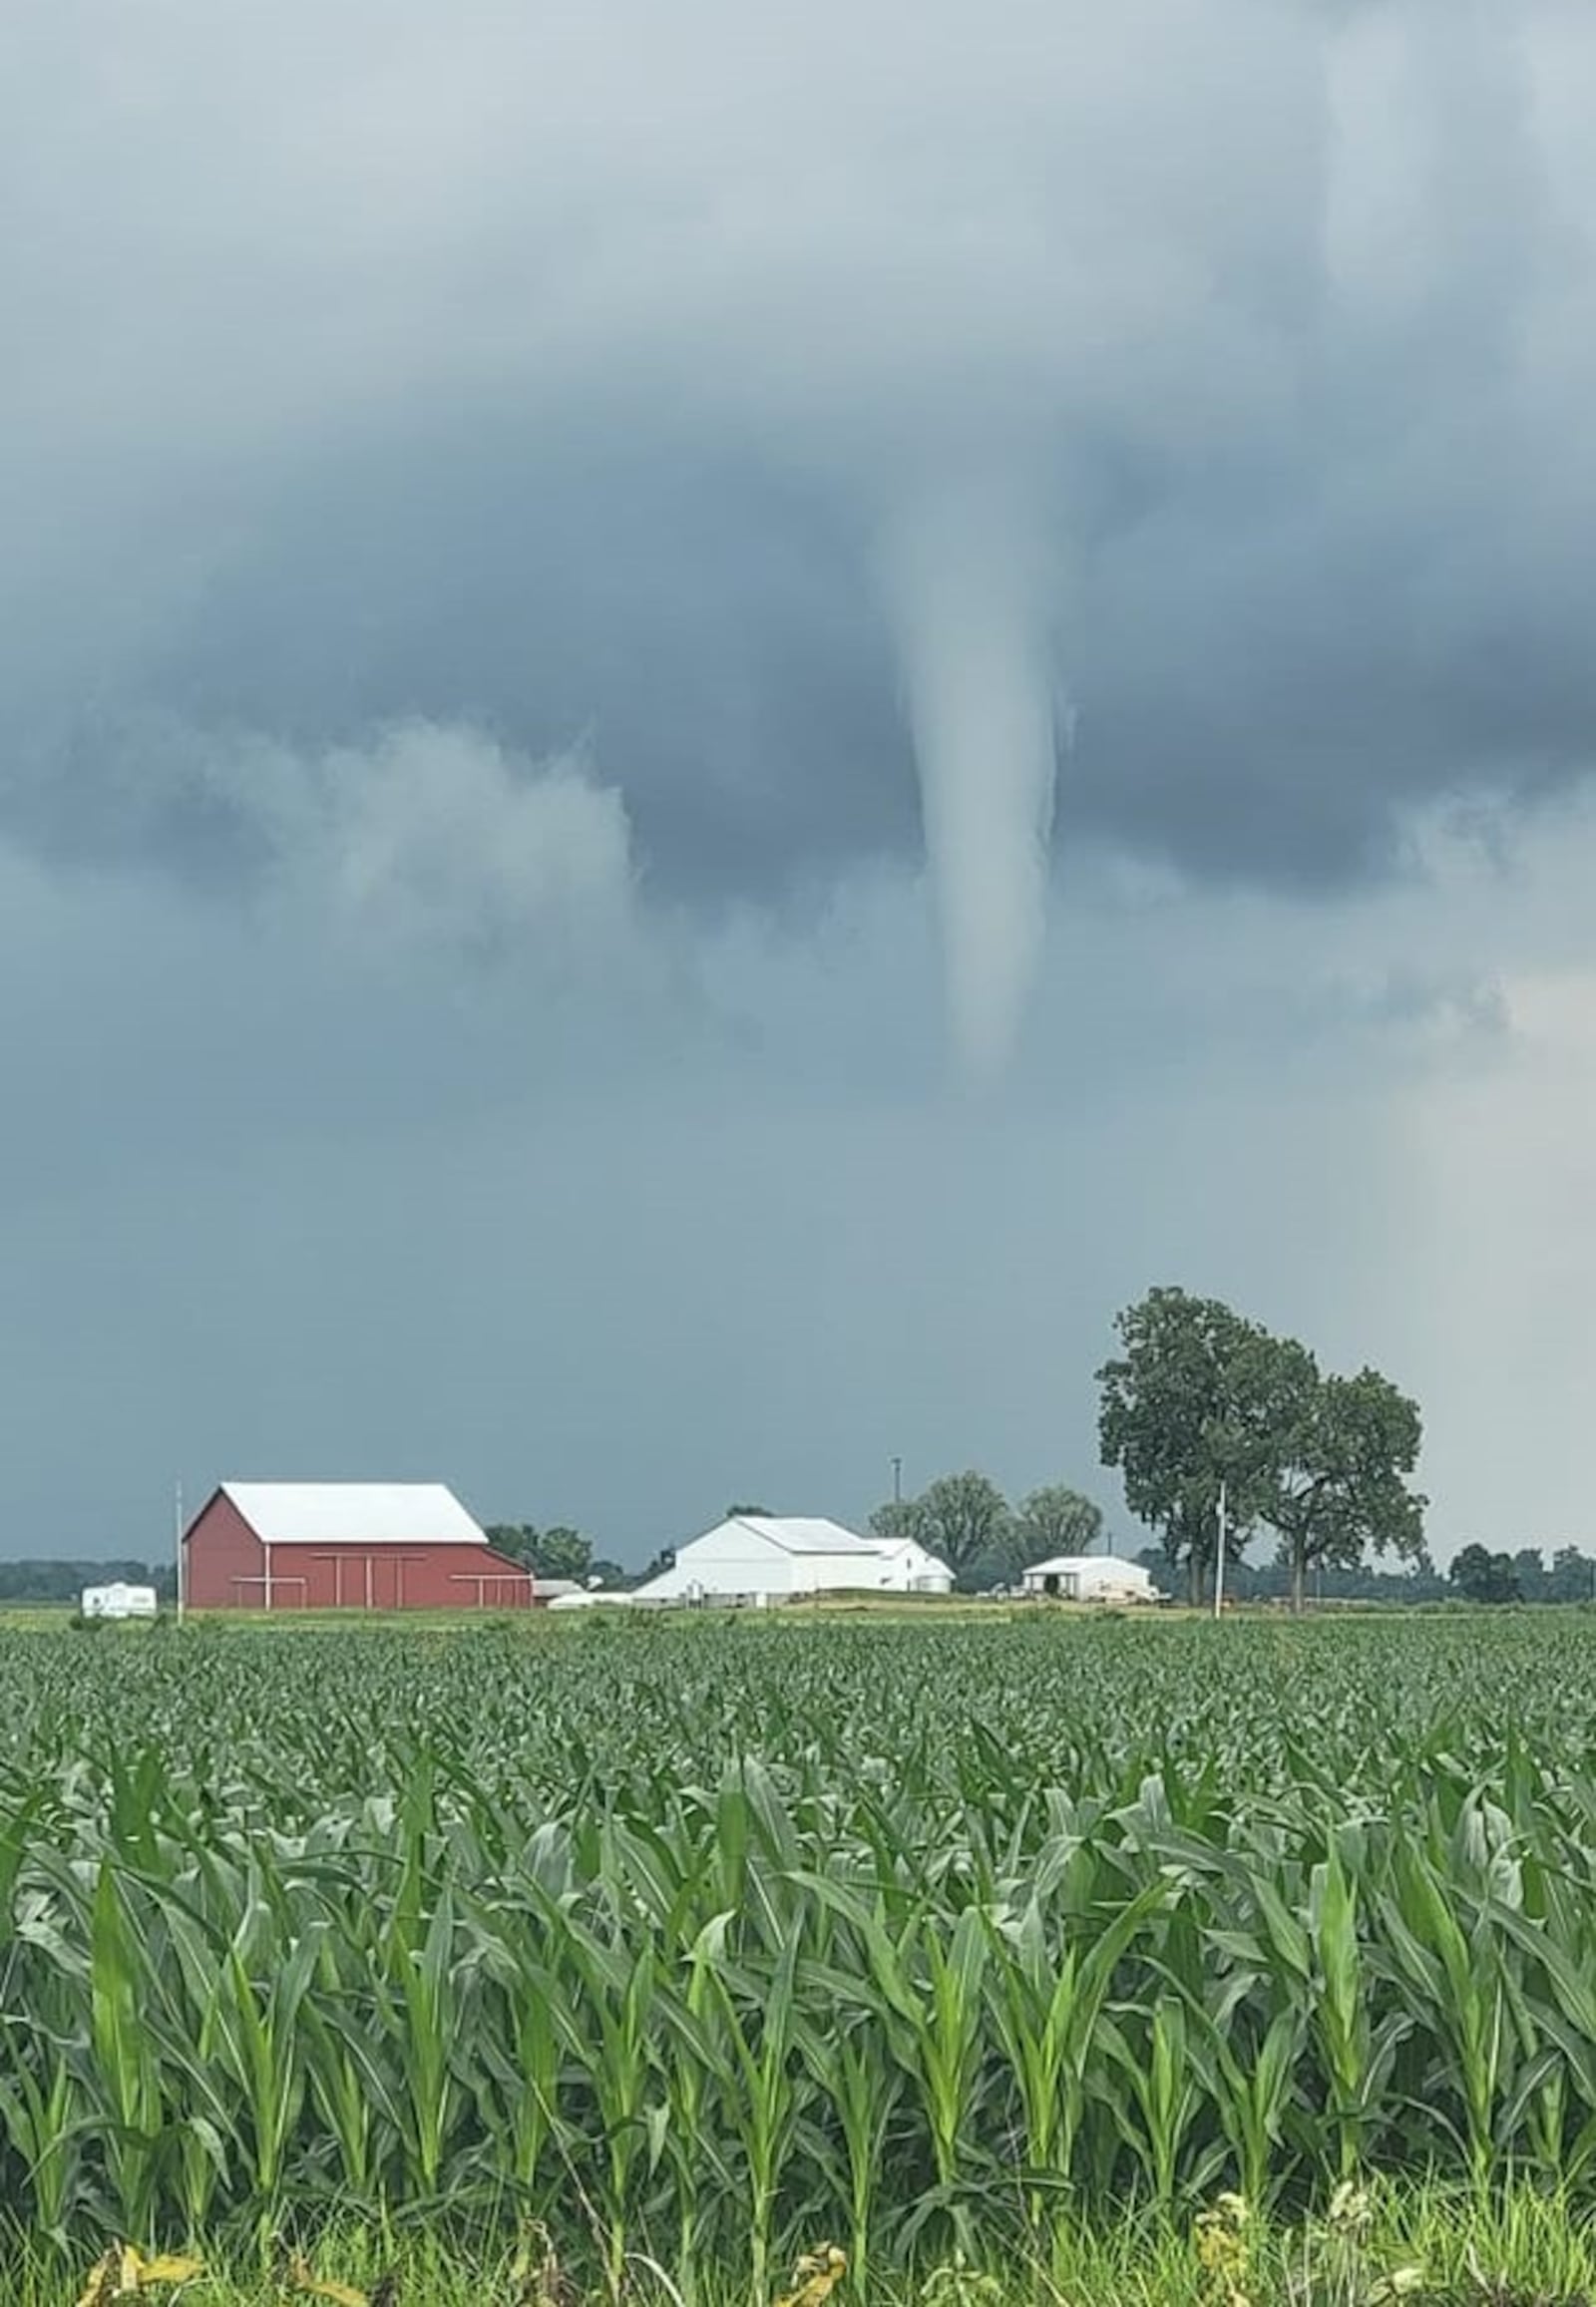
[[1219, 1559], [177, 1506], [897, 1481]]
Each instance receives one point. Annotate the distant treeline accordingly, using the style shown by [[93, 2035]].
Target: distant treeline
[[64, 1581], [1476, 1574]]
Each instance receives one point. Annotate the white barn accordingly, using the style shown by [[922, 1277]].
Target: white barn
[[770, 1558], [118, 1600], [1089, 1578]]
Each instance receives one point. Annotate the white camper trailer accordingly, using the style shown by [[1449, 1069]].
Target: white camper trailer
[[118, 1601]]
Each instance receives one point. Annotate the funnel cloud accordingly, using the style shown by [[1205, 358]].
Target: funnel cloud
[[970, 607]]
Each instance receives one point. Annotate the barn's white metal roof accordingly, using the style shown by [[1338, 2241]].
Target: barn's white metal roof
[[1062, 1564], [798, 1534], [354, 1513]]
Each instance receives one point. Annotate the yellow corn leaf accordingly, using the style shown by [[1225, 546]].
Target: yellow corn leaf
[[341, 2294], [104, 2279], [120, 2271], [815, 2277], [302, 2277], [165, 2267]]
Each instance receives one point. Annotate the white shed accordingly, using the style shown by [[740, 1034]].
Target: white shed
[[118, 1601], [1089, 1578], [760, 1558], [914, 1570]]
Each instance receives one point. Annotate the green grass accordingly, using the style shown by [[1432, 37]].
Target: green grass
[[1521, 2249], [706, 1939]]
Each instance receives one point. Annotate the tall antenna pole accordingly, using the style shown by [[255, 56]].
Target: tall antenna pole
[[1219, 1559]]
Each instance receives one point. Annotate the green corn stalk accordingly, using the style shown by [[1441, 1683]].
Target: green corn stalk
[[426, 2020], [124, 2065], [841, 2056], [1453, 1986], [250, 2028], [1045, 2006], [1252, 2092], [1163, 2090], [608, 2028], [1340, 2017]]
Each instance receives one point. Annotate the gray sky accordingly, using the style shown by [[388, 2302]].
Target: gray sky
[[546, 560]]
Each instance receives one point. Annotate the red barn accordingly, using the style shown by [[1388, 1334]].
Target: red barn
[[344, 1546]]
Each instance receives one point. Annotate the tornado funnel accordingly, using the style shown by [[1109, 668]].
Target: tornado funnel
[[971, 599]]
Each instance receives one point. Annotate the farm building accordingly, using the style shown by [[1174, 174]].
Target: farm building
[[1089, 1578], [118, 1600], [768, 1557], [910, 1568], [344, 1546]]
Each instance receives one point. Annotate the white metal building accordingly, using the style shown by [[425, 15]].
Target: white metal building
[[914, 1570], [767, 1558], [1089, 1578], [118, 1600]]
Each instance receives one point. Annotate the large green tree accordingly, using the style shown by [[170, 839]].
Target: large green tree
[[1343, 1447], [1186, 1411], [962, 1518], [1054, 1520]]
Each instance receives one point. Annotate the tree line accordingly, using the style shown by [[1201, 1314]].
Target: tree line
[[559, 1552], [1478, 1574], [967, 1522], [44, 1581]]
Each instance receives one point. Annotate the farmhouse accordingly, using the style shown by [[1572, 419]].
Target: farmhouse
[[768, 1557], [344, 1546], [1089, 1578]]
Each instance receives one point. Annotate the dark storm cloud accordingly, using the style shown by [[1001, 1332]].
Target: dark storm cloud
[[560, 384]]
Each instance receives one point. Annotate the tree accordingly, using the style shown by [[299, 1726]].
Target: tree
[[896, 1519], [1343, 1446], [1571, 1578], [1054, 1520], [516, 1540], [1480, 1576], [733, 1512], [1530, 1574], [559, 1552], [1186, 1409], [962, 1518]]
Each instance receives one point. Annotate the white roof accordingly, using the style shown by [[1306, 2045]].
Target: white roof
[[892, 1548], [354, 1513], [1062, 1564], [797, 1534]]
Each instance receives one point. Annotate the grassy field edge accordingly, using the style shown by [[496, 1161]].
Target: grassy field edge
[[1515, 2245]]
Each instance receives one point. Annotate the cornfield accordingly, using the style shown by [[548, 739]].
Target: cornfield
[[707, 1939]]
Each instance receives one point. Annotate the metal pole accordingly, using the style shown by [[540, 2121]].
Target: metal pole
[[1219, 1560], [177, 1502], [897, 1481]]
